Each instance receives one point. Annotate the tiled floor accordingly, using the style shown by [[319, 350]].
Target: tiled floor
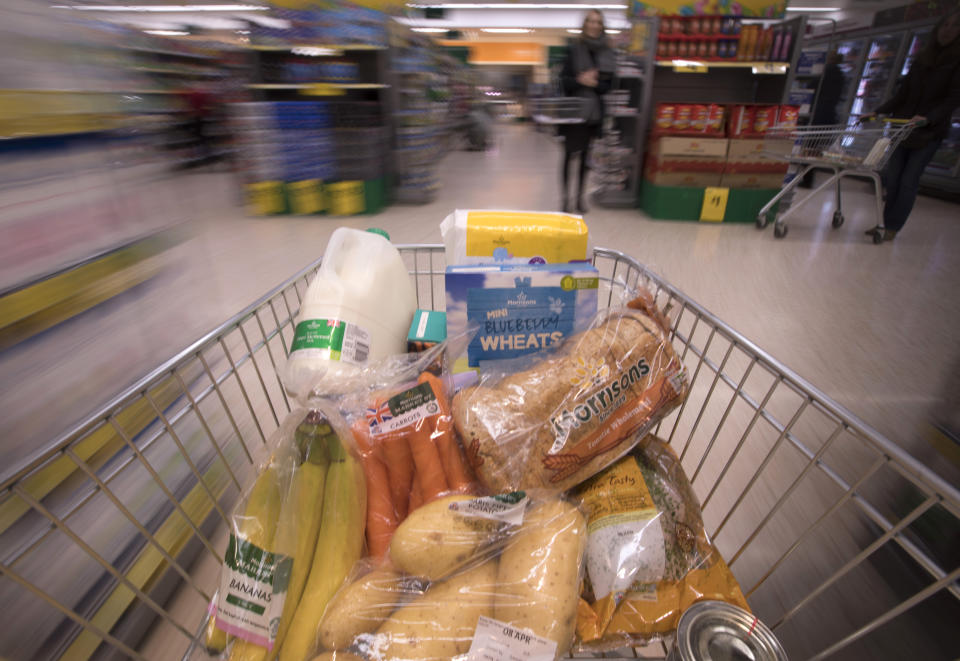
[[873, 327]]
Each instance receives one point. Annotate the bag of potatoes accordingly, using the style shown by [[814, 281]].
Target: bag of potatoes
[[564, 415], [517, 587]]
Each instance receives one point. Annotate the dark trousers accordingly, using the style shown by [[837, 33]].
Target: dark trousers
[[901, 178]]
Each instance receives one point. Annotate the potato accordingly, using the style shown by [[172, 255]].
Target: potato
[[361, 607], [441, 623], [338, 656], [434, 540], [538, 583]]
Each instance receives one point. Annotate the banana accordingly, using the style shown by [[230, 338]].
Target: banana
[[298, 527], [298, 532], [339, 547], [258, 526], [214, 638]]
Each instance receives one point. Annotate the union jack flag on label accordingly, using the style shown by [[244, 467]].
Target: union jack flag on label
[[376, 417]]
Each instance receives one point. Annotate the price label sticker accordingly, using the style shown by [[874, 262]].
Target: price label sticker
[[323, 89], [690, 68], [498, 641], [769, 68], [714, 204]]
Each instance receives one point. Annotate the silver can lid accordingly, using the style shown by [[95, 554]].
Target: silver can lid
[[718, 631]]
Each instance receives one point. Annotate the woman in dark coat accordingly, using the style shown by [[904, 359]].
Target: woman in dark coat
[[587, 73], [928, 95]]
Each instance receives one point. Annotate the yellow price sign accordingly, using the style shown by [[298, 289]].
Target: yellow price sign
[[714, 204], [265, 198], [690, 68], [322, 89], [346, 198], [306, 197]]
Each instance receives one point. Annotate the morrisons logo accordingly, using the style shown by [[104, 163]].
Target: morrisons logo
[[599, 405]]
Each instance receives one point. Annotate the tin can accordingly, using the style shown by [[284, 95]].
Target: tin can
[[693, 25], [718, 631], [682, 49], [665, 114], [698, 118], [682, 117]]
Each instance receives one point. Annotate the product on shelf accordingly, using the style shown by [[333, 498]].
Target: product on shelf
[[686, 119]]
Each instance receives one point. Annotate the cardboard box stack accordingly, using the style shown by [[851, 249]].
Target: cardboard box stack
[[740, 147], [692, 146]]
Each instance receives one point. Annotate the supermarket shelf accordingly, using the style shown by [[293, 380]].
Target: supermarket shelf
[[174, 53], [178, 72], [45, 303], [303, 86], [698, 37], [686, 62], [332, 47]]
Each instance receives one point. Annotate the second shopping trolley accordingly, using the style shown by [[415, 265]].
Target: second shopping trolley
[[858, 150]]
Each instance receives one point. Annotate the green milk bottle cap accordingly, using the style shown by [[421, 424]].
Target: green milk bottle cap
[[379, 230]]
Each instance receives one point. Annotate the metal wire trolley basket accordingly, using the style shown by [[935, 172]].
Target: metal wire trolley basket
[[112, 537], [558, 110], [858, 150]]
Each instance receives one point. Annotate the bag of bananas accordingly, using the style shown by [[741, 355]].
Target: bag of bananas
[[294, 538]]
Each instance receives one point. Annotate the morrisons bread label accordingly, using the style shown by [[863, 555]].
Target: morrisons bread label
[[611, 395]]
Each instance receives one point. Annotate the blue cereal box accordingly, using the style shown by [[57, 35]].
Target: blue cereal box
[[517, 309]]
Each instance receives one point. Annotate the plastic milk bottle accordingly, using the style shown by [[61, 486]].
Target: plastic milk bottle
[[356, 311]]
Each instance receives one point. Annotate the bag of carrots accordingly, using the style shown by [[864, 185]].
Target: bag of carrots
[[410, 452]]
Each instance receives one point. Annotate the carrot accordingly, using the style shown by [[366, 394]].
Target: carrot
[[426, 457], [458, 475], [397, 458], [416, 493], [381, 519]]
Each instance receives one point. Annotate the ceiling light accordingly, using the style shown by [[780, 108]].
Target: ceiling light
[[168, 33], [472, 5], [811, 9], [436, 30], [161, 8], [506, 30]]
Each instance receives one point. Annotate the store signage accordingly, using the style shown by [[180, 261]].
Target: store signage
[[759, 8], [714, 204]]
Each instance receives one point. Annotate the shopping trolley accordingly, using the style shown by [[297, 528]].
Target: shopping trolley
[[112, 536], [857, 150], [557, 110]]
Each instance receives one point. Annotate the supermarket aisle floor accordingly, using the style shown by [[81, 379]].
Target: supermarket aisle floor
[[873, 327]]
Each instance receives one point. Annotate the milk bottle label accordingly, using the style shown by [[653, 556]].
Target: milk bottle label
[[331, 339]]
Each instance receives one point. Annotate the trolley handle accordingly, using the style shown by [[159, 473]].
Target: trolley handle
[[869, 117]]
